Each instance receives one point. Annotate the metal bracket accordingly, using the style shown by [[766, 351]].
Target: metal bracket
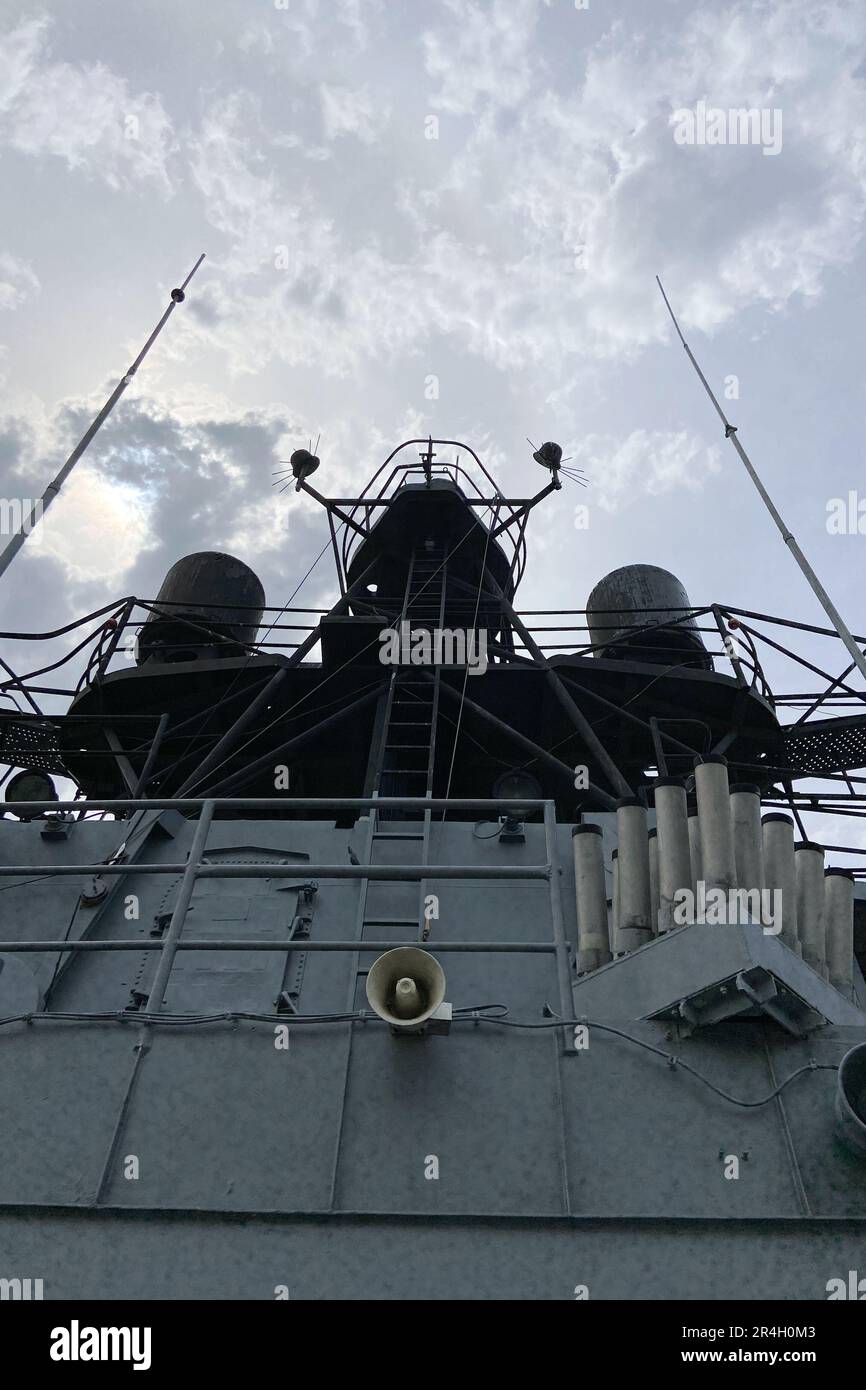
[[289, 995]]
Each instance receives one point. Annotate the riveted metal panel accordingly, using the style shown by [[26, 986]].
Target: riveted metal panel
[[221, 1118]]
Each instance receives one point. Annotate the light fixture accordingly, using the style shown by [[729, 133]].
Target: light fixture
[[520, 786], [31, 785]]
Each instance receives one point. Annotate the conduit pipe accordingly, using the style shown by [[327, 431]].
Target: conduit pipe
[[635, 922], [593, 942], [780, 874], [809, 874], [674, 858], [714, 818]]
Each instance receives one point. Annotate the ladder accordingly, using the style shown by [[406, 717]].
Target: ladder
[[408, 748], [407, 756]]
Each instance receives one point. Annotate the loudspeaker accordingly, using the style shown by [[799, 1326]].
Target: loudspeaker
[[851, 1100], [406, 987]]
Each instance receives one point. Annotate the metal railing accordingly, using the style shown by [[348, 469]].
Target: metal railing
[[195, 867], [400, 473]]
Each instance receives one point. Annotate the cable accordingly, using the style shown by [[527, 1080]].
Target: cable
[[237, 675], [668, 1057], [348, 662], [47, 995], [23, 884], [185, 1020], [490, 529], [478, 1013]]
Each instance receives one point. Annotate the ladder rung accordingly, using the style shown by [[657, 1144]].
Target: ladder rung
[[380, 835], [389, 922]]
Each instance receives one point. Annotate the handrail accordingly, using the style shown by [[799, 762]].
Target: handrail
[[197, 867]]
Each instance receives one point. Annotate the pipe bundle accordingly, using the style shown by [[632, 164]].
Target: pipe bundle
[[724, 851]]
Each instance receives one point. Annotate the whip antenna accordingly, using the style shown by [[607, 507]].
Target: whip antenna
[[731, 433], [39, 508]]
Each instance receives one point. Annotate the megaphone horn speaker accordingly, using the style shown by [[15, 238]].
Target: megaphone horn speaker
[[405, 987], [851, 1100]]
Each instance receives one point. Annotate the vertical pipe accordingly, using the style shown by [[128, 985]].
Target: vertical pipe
[[634, 874], [653, 846], [672, 824], [839, 928], [156, 998], [697, 868], [778, 834], [614, 904], [151, 756], [554, 874], [748, 839], [593, 943], [809, 874], [714, 815]]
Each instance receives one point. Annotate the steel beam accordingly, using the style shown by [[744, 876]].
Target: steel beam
[[156, 993], [537, 751], [301, 944], [578, 718]]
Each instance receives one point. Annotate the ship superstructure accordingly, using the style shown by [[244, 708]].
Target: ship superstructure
[[424, 948]]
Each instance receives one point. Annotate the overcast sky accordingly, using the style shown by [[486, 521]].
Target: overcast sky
[[389, 192]]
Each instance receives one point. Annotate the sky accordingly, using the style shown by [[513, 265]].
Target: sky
[[441, 218]]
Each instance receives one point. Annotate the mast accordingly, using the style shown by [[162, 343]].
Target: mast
[[40, 507], [817, 587]]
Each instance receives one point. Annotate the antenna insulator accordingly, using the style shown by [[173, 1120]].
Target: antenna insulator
[[178, 296]]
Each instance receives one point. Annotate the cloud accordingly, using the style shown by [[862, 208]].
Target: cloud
[[309, 28], [644, 464], [99, 530], [83, 114], [348, 111], [482, 54], [18, 281], [292, 287], [164, 479], [528, 237], [582, 197]]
